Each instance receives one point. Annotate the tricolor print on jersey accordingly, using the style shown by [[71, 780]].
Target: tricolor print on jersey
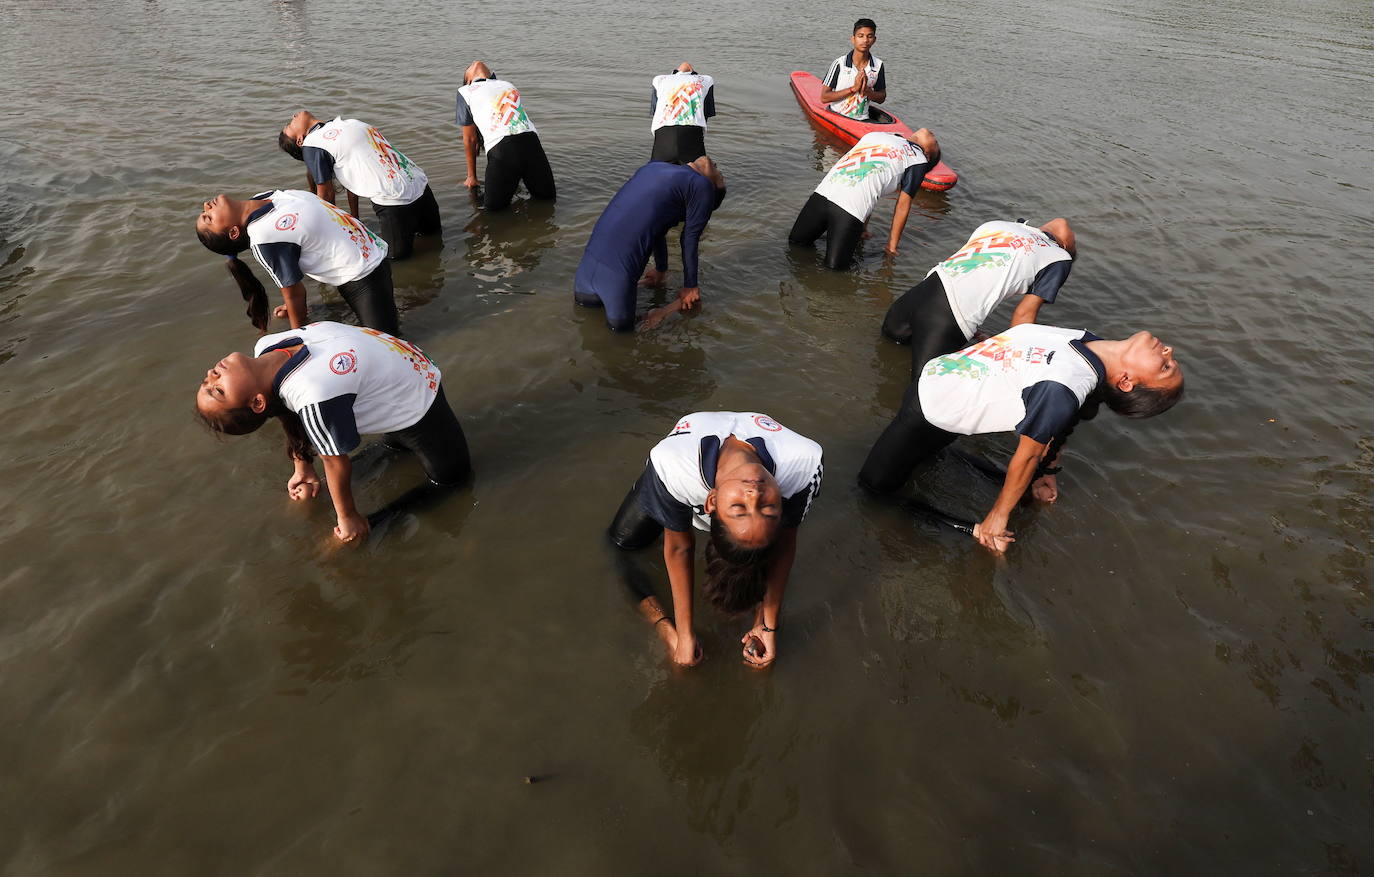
[[858, 163], [992, 249], [393, 162], [410, 353], [980, 359], [357, 232], [684, 103], [510, 114]]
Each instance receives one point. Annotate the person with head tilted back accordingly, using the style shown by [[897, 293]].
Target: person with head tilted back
[[492, 117], [680, 103]]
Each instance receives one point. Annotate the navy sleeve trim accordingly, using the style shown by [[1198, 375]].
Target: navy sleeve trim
[[330, 425], [832, 76], [653, 100], [795, 507], [319, 162], [1050, 278], [662, 506], [881, 84], [462, 113], [912, 177], [1050, 409], [282, 260], [709, 108]]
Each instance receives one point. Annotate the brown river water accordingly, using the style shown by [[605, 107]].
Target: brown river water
[[1172, 672]]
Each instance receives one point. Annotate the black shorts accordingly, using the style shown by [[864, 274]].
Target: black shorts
[[438, 440], [923, 319], [679, 144], [842, 230], [402, 222], [632, 527], [517, 158], [373, 299]]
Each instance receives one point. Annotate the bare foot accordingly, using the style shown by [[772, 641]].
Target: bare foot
[[1045, 488]]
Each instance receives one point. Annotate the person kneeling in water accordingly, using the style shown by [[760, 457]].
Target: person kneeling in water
[[488, 111], [1000, 261], [878, 165], [295, 235], [1036, 380], [634, 224], [748, 481], [365, 163], [680, 103], [327, 383]]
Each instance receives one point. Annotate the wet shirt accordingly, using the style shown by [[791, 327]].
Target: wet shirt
[[842, 74], [298, 235], [1032, 379], [348, 381], [656, 198], [878, 165], [682, 99], [493, 105], [363, 161], [682, 467], [1001, 260]]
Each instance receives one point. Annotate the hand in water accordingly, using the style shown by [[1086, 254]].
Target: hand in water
[[994, 535], [352, 529], [1045, 488], [688, 652], [760, 646], [470, 183], [304, 484], [689, 296], [653, 277]]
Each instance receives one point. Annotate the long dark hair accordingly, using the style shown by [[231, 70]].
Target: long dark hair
[[242, 421], [250, 287], [736, 576]]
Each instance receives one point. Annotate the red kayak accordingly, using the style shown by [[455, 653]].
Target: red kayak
[[808, 90]]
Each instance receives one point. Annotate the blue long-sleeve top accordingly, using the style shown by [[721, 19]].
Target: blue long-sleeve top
[[636, 222]]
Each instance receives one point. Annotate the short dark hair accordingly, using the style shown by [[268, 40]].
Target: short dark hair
[[735, 575], [865, 22], [288, 145], [1141, 401]]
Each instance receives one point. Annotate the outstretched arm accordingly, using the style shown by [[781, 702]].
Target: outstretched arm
[[899, 217], [767, 615], [338, 471], [293, 304], [679, 551], [352, 204], [992, 532], [470, 153]]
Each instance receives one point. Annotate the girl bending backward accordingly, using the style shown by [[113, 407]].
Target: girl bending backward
[[294, 235], [746, 480], [329, 383]]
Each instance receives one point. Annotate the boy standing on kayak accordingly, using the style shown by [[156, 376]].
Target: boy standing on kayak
[[856, 77]]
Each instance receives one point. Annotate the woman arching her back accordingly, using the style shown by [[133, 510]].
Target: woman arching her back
[[294, 235], [748, 481]]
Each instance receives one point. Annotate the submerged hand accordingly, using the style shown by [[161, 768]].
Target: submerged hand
[[688, 652], [352, 529], [653, 277], [764, 651], [1045, 488], [993, 534], [470, 182], [689, 296], [304, 484]]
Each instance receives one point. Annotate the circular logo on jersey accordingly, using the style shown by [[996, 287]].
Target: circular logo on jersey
[[767, 423], [287, 222], [330, 134], [343, 363]]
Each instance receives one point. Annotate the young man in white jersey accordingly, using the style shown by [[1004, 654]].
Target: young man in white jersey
[[1038, 381], [856, 78], [366, 165], [328, 384], [878, 165], [490, 114], [294, 235], [1000, 261], [679, 104], [748, 481]]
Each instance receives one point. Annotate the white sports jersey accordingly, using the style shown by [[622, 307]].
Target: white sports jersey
[[299, 234], [875, 167], [365, 163], [842, 74], [1031, 378], [347, 381], [1000, 261], [681, 99], [494, 107], [684, 464]]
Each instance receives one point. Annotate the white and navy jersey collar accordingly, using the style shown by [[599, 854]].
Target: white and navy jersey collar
[[261, 211], [709, 456], [294, 362], [1080, 346]]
